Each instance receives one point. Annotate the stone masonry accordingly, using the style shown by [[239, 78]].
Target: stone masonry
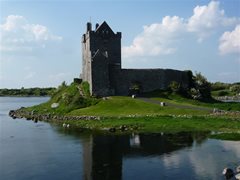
[[101, 66]]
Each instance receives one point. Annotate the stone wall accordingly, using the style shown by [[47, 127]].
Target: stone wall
[[101, 66], [148, 79]]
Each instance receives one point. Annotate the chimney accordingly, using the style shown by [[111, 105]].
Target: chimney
[[89, 26]]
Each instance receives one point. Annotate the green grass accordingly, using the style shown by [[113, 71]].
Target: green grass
[[68, 98], [224, 92], [138, 115], [180, 100], [227, 136], [124, 106], [163, 124]]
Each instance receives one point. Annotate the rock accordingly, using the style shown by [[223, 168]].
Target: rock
[[123, 127], [112, 129], [54, 105], [237, 176], [228, 173], [32, 112], [238, 169], [11, 113]]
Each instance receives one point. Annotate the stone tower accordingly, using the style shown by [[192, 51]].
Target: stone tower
[[101, 68], [101, 51]]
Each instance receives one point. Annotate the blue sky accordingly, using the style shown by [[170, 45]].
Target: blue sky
[[40, 40]]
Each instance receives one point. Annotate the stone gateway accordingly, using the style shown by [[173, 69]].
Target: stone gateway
[[101, 67]]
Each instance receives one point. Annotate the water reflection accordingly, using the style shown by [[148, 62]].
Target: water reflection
[[103, 154], [45, 151]]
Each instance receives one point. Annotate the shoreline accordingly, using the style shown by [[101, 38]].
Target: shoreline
[[226, 122]]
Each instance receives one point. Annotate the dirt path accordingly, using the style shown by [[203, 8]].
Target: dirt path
[[148, 100]]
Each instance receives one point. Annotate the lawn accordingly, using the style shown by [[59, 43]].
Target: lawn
[[125, 106]]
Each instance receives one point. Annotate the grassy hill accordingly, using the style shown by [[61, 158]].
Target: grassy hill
[[66, 98], [140, 114], [75, 99]]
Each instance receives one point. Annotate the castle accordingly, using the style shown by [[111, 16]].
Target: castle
[[101, 66]]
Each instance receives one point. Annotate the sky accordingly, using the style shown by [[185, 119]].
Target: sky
[[40, 40]]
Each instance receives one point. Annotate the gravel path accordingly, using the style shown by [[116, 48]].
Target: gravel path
[[148, 100]]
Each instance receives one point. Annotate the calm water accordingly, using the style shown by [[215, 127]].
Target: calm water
[[40, 150]]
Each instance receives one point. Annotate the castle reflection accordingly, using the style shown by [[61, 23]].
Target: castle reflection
[[103, 154]]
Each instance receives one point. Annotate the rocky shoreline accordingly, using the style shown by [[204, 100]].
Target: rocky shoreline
[[21, 113], [228, 98]]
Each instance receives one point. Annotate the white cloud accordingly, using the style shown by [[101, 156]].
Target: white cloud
[[156, 38], [206, 19], [162, 38], [230, 41], [17, 35]]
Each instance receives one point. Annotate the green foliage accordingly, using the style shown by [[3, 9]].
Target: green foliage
[[85, 88], [201, 87], [226, 136], [219, 86], [68, 98], [235, 88], [190, 78], [222, 93], [174, 86], [27, 92], [135, 88]]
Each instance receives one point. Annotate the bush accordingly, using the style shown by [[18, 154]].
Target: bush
[[219, 86], [174, 86], [222, 93], [85, 88], [201, 88], [235, 89]]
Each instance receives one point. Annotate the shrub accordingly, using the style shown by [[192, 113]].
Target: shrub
[[222, 93], [219, 86], [235, 89], [85, 88], [174, 86]]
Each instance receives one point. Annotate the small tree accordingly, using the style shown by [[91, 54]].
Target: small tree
[[174, 86], [201, 87], [235, 88], [135, 88]]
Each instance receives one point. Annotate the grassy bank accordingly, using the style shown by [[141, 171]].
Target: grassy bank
[[67, 98], [161, 124], [123, 114]]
